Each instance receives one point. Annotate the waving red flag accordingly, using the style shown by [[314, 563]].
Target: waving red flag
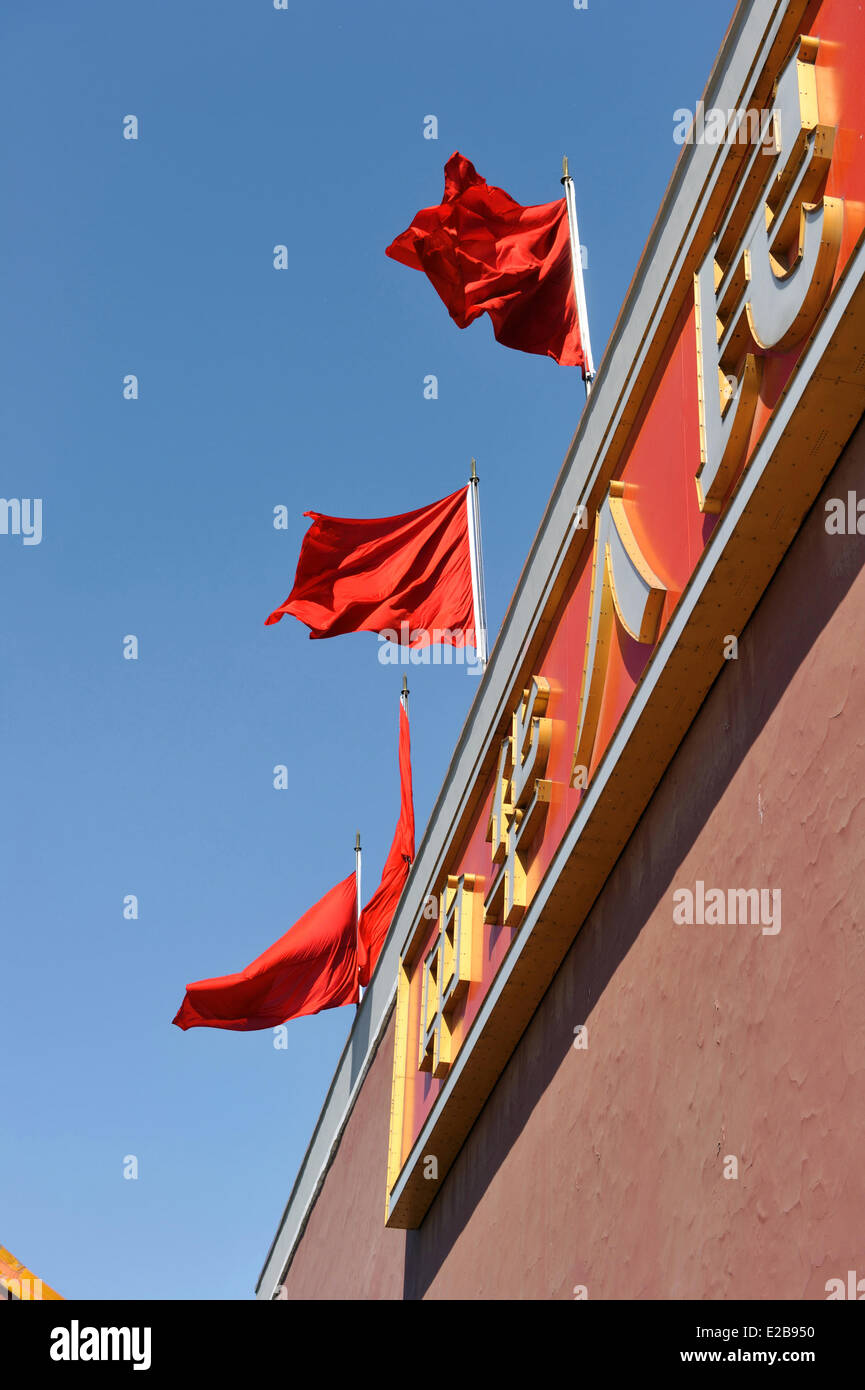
[[312, 967], [484, 253], [378, 914], [409, 575]]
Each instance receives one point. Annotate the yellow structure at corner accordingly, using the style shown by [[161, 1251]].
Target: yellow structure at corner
[[20, 1282]]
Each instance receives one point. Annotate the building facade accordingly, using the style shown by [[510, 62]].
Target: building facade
[[613, 1047]]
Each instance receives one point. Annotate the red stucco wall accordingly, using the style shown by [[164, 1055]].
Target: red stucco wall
[[604, 1167]]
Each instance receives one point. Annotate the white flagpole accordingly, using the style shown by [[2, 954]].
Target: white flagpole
[[403, 699], [477, 564], [579, 287], [357, 911]]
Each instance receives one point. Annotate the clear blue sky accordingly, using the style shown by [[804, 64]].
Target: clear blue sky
[[257, 388]]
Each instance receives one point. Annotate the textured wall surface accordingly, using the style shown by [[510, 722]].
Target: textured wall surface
[[346, 1251], [604, 1167]]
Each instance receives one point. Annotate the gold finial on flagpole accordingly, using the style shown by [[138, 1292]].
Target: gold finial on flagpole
[[405, 685], [474, 469], [565, 174]]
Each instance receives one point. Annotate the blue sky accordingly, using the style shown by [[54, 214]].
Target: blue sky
[[257, 388]]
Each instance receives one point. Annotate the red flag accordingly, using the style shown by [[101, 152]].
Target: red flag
[[409, 575], [484, 253], [312, 967], [378, 914]]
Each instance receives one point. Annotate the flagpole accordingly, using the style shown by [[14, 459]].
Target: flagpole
[[357, 909], [477, 566], [403, 699], [579, 286]]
